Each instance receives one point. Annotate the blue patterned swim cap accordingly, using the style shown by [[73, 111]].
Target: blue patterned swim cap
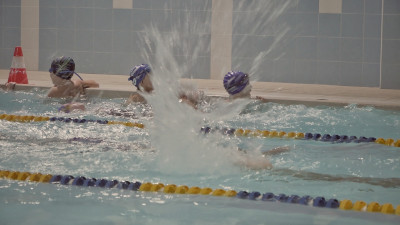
[[63, 67], [138, 73], [235, 82]]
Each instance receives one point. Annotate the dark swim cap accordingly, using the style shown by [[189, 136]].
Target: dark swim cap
[[235, 82], [63, 67], [138, 73]]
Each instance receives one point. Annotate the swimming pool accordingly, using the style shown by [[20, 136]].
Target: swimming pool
[[171, 149]]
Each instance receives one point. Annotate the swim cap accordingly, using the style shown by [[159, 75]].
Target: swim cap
[[235, 81], [138, 73], [63, 67]]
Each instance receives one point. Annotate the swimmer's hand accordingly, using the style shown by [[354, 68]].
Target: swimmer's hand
[[10, 86], [261, 99]]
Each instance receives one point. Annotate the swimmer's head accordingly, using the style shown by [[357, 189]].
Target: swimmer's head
[[138, 73], [235, 82], [63, 67]]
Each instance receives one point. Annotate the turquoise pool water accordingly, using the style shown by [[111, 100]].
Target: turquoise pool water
[[172, 150]]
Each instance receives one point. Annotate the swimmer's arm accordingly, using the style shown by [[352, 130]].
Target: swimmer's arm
[[393, 182], [277, 150], [188, 101], [72, 106], [89, 84], [253, 162], [274, 151]]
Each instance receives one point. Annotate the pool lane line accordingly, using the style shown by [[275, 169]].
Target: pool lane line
[[320, 202], [301, 136], [19, 118], [228, 131]]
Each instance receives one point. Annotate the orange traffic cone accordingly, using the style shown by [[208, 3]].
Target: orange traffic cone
[[18, 70]]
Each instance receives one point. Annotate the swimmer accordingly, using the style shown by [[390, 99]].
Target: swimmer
[[69, 107], [253, 162], [141, 78], [237, 84], [61, 71], [256, 161]]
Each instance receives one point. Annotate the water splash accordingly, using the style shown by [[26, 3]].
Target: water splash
[[175, 129]]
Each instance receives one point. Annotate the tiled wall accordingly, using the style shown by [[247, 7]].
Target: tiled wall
[[342, 48], [10, 30], [106, 39], [336, 42], [391, 44]]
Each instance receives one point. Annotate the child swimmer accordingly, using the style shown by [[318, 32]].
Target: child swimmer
[[238, 86], [61, 71], [140, 76]]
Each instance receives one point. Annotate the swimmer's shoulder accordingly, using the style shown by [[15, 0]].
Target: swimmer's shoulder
[[54, 92], [57, 92]]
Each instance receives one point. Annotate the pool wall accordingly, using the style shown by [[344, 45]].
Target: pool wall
[[334, 42]]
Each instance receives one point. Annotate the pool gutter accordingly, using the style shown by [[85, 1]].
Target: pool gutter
[[117, 86]]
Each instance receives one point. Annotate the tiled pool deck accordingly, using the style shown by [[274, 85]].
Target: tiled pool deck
[[310, 94]]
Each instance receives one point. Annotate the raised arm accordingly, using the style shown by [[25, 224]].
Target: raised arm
[[89, 84]]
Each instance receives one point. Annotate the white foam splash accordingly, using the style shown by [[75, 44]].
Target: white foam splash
[[176, 126]]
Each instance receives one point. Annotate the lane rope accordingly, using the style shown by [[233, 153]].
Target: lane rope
[[299, 135], [227, 131], [307, 200], [27, 119]]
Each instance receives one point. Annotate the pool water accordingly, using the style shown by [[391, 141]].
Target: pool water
[[172, 150]]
